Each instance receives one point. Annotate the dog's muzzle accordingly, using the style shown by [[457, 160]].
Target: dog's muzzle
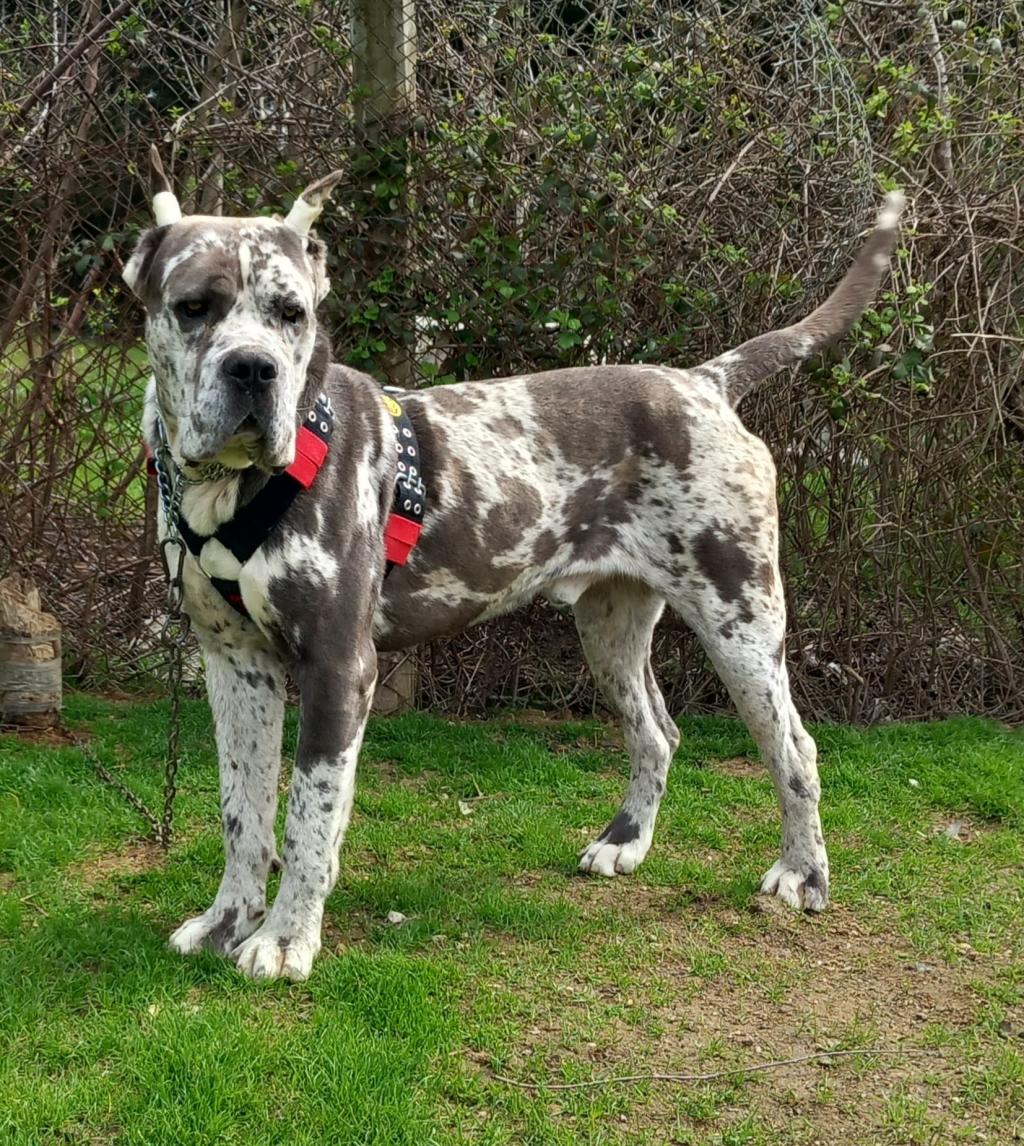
[[244, 418]]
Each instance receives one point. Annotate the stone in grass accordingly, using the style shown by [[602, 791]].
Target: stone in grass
[[395, 918]]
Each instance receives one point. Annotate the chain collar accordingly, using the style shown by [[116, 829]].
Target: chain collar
[[174, 632], [170, 482], [207, 471], [174, 636]]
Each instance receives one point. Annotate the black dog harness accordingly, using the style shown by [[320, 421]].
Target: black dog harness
[[405, 522], [255, 521]]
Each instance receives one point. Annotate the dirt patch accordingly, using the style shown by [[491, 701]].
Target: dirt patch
[[536, 718], [957, 829], [596, 894], [389, 772], [138, 857], [57, 737], [352, 928], [606, 737], [740, 767], [844, 975], [791, 986]]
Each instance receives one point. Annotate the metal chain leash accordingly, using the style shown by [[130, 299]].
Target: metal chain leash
[[174, 637], [175, 630], [108, 777]]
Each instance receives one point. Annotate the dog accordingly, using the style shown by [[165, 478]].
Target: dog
[[614, 490]]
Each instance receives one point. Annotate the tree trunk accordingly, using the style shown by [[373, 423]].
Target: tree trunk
[[220, 82], [384, 92], [30, 675]]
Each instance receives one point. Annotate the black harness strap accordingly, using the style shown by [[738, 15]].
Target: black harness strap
[[405, 522], [256, 520]]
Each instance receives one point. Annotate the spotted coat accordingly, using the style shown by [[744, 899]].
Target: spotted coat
[[612, 490]]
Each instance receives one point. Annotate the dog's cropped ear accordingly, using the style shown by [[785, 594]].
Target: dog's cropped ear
[[136, 270], [316, 252], [310, 202]]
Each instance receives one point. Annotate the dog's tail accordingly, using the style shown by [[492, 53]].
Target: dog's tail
[[740, 370]]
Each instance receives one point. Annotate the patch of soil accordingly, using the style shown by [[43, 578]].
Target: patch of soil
[[536, 718], [598, 893], [144, 855], [740, 767], [605, 738], [795, 986], [119, 696], [958, 829], [389, 771], [56, 737], [350, 929]]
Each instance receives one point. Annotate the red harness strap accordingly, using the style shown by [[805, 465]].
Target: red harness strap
[[400, 535], [310, 455], [254, 522]]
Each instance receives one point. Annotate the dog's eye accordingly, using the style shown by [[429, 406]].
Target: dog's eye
[[291, 313], [193, 307]]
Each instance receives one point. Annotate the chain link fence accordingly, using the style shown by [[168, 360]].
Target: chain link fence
[[550, 183]]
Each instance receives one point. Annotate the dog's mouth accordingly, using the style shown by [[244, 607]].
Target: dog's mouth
[[242, 447], [250, 439], [246, 439]]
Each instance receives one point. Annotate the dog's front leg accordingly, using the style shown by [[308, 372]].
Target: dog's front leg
[[247, 700], [336, 701]]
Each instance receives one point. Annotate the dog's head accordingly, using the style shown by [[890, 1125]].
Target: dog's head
[[230, 325]]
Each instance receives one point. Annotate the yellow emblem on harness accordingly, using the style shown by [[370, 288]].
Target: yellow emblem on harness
[[393, 407]]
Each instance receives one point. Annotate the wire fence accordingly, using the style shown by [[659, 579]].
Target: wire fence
[[542, 184]]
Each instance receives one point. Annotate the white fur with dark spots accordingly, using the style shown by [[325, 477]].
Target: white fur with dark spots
[[614, 490]]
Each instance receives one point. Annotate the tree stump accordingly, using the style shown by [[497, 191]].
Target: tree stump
[[397, 682], [30, 668]]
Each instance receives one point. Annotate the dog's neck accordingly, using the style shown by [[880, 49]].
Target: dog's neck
[[205, 505]]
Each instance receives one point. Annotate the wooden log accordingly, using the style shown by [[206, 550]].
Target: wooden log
[[397, 683], [30, 667]]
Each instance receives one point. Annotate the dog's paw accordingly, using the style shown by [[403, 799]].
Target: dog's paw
[[805, 888], [603, 858], [272, 955], [220, 928]]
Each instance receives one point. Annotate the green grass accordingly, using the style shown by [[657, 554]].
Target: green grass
[[509, 963]]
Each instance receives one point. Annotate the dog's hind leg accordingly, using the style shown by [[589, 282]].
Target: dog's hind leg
[[615, 620], [665, 722], [747, 652], [246, 690]]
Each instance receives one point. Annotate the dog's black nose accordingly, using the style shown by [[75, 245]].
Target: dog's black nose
[[249, 370]]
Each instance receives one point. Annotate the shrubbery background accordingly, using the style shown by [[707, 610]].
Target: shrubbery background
[[573, 182]]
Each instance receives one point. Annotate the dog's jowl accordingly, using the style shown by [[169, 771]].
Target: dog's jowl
[[615, 490]]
